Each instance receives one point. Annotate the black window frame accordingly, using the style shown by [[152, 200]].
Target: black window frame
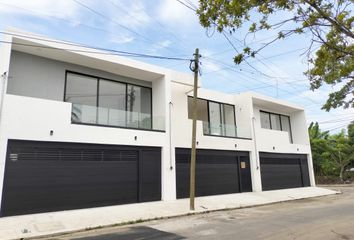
[[97, 100], [281, 125], [223, 117]]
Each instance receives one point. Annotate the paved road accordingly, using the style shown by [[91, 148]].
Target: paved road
[[330, 217]]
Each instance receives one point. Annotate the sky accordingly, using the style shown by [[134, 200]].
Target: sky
[[168, 28]]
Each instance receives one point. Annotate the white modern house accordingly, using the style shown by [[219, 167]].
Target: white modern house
[[81, 128]]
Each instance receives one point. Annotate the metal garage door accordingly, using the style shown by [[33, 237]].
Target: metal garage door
[[52, 176], [279, 171], [217, 172]]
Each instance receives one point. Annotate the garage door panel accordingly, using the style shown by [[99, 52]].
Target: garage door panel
[[216, 172], [280, 171], [75, 179], [150, 176], [305, 173], [216, 179]]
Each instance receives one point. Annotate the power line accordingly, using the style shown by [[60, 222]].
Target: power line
[[108, 52], [65, 20], [186, 5], [241, 71], [112, 20], [120, 7], [337, 127]]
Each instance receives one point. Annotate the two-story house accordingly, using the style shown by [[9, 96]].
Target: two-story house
[[82, 128]]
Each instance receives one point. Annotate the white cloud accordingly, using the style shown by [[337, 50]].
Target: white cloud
[[131, 14], [317, 96], [208, 66], [155, 48], [121, 39], [41, 8], [174, 13]]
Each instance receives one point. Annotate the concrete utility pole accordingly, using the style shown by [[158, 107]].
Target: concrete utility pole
[[195, 69]]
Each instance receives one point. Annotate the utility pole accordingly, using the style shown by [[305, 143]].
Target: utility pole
[[195, 69]]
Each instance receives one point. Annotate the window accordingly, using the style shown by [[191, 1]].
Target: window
[[215, 118], [139, 107], [218, 118], [82, 92], [108, 102], [265, 120], [276, 122], [285, 124], [112, 103], [229, 120]]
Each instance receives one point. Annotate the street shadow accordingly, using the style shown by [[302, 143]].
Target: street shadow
[[141, 233]]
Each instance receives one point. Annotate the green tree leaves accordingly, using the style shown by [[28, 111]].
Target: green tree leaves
[[331, 154], [329, 23]]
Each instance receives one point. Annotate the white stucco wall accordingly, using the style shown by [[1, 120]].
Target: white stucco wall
[[35, 76]]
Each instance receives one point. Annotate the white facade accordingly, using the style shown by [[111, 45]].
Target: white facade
[[32, 93]]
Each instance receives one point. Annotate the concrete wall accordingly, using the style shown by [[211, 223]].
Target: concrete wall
[[268, 140], [34, 76], [278, 141]]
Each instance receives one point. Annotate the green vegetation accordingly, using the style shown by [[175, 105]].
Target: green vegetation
[[329, 26], [332, 154]]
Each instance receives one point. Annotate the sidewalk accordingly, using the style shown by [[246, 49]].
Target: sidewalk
[[43, 224]]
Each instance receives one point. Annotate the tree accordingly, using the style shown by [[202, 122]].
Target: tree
[[351, 133], [340, 152], [319, 145], [329, 23], [331, 154]]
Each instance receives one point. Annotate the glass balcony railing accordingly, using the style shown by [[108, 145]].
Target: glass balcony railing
[[224, 130], [115, 118]]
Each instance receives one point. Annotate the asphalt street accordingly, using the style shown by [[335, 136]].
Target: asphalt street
[[330, 217]]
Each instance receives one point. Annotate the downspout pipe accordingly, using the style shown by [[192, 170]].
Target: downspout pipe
[[4, 77], [170, 133], [255, 142]]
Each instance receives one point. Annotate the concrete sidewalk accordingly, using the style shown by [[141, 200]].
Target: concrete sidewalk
[[43, 224]]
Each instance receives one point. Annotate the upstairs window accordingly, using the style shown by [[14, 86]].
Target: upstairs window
[[276, 121], [107, 102], [218, 118]]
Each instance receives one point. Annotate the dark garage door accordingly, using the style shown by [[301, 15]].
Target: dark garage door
[[217, 172], [279, 171], [51, 176]]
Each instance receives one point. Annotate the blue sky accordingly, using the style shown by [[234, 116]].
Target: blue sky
[[166, 27]]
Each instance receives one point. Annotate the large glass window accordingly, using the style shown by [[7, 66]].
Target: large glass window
[[229, 120], [285, 124], [215, 118], [218, 118], [112, 103], [107, 102], [276, 122], [82, 92], [265, 120], [139, 107]]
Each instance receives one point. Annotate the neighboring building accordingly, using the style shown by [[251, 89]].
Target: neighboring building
[[80, 128]]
